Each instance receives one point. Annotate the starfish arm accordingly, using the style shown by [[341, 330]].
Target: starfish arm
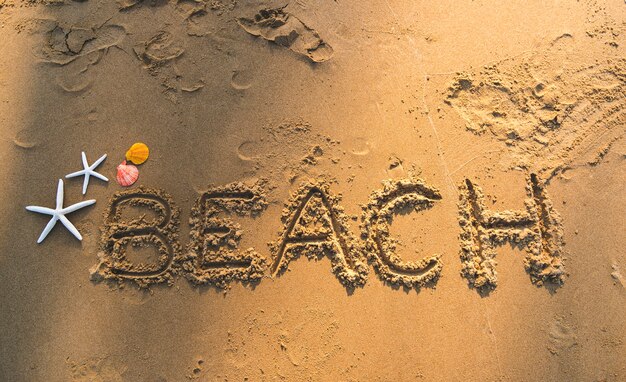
[[100, 176], [60, 195], [41, 210], [75, 174], [48, 228], [68, 224], [85, 182], [77, 206], [97, 163], [84, 158]]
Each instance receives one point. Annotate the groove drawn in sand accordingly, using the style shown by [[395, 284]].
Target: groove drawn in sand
[[287, 30], [118, 234], [397, 197], [214, 257], [550, 108], [538, 229], [315, 225]]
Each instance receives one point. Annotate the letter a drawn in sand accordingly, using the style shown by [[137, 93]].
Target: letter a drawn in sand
[[315, 226]]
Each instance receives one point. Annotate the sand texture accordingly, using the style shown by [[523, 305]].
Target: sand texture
[[335, 191]]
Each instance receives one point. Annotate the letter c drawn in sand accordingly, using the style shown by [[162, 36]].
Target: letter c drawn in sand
[[397, 197]]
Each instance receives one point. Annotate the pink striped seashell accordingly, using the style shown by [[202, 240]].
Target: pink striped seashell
[[127, 174]]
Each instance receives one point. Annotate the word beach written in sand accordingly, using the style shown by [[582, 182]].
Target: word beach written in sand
[[314, 225]]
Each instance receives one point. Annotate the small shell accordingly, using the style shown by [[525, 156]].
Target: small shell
[[138, 153], [127, 174]]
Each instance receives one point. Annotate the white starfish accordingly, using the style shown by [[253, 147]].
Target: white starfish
[[59, 214], [88, 171]]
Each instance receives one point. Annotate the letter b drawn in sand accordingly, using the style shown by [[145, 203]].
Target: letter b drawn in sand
[[213, 256], [119, 236], [316, 226], [398, 197], [538, 229]]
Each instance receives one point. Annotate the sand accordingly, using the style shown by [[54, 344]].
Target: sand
[[336, 191]]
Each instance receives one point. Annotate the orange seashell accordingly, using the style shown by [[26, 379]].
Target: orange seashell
[[138, 153], [127, 174]]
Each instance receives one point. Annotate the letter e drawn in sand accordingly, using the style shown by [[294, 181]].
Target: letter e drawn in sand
[[398, 197], [119, 235], [539, 230], [315, 225], [213, 257]]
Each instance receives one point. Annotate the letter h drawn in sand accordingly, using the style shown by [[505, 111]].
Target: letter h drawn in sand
[[398, 197], [315, 225], [538, 229], [213, 257], [118, 235]]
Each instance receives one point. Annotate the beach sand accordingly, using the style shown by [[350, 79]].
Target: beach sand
[[336, 191]]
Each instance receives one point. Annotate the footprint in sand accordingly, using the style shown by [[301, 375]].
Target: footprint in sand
[[64, 45], [360, 146], [95, 370], [248, 150], [162, 56], [77, 49], [159, 49], [395, 169], [287, 30], [241, 79], [562, 336], [617, 275], [77, 78], [196, 370], [26, 139]]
